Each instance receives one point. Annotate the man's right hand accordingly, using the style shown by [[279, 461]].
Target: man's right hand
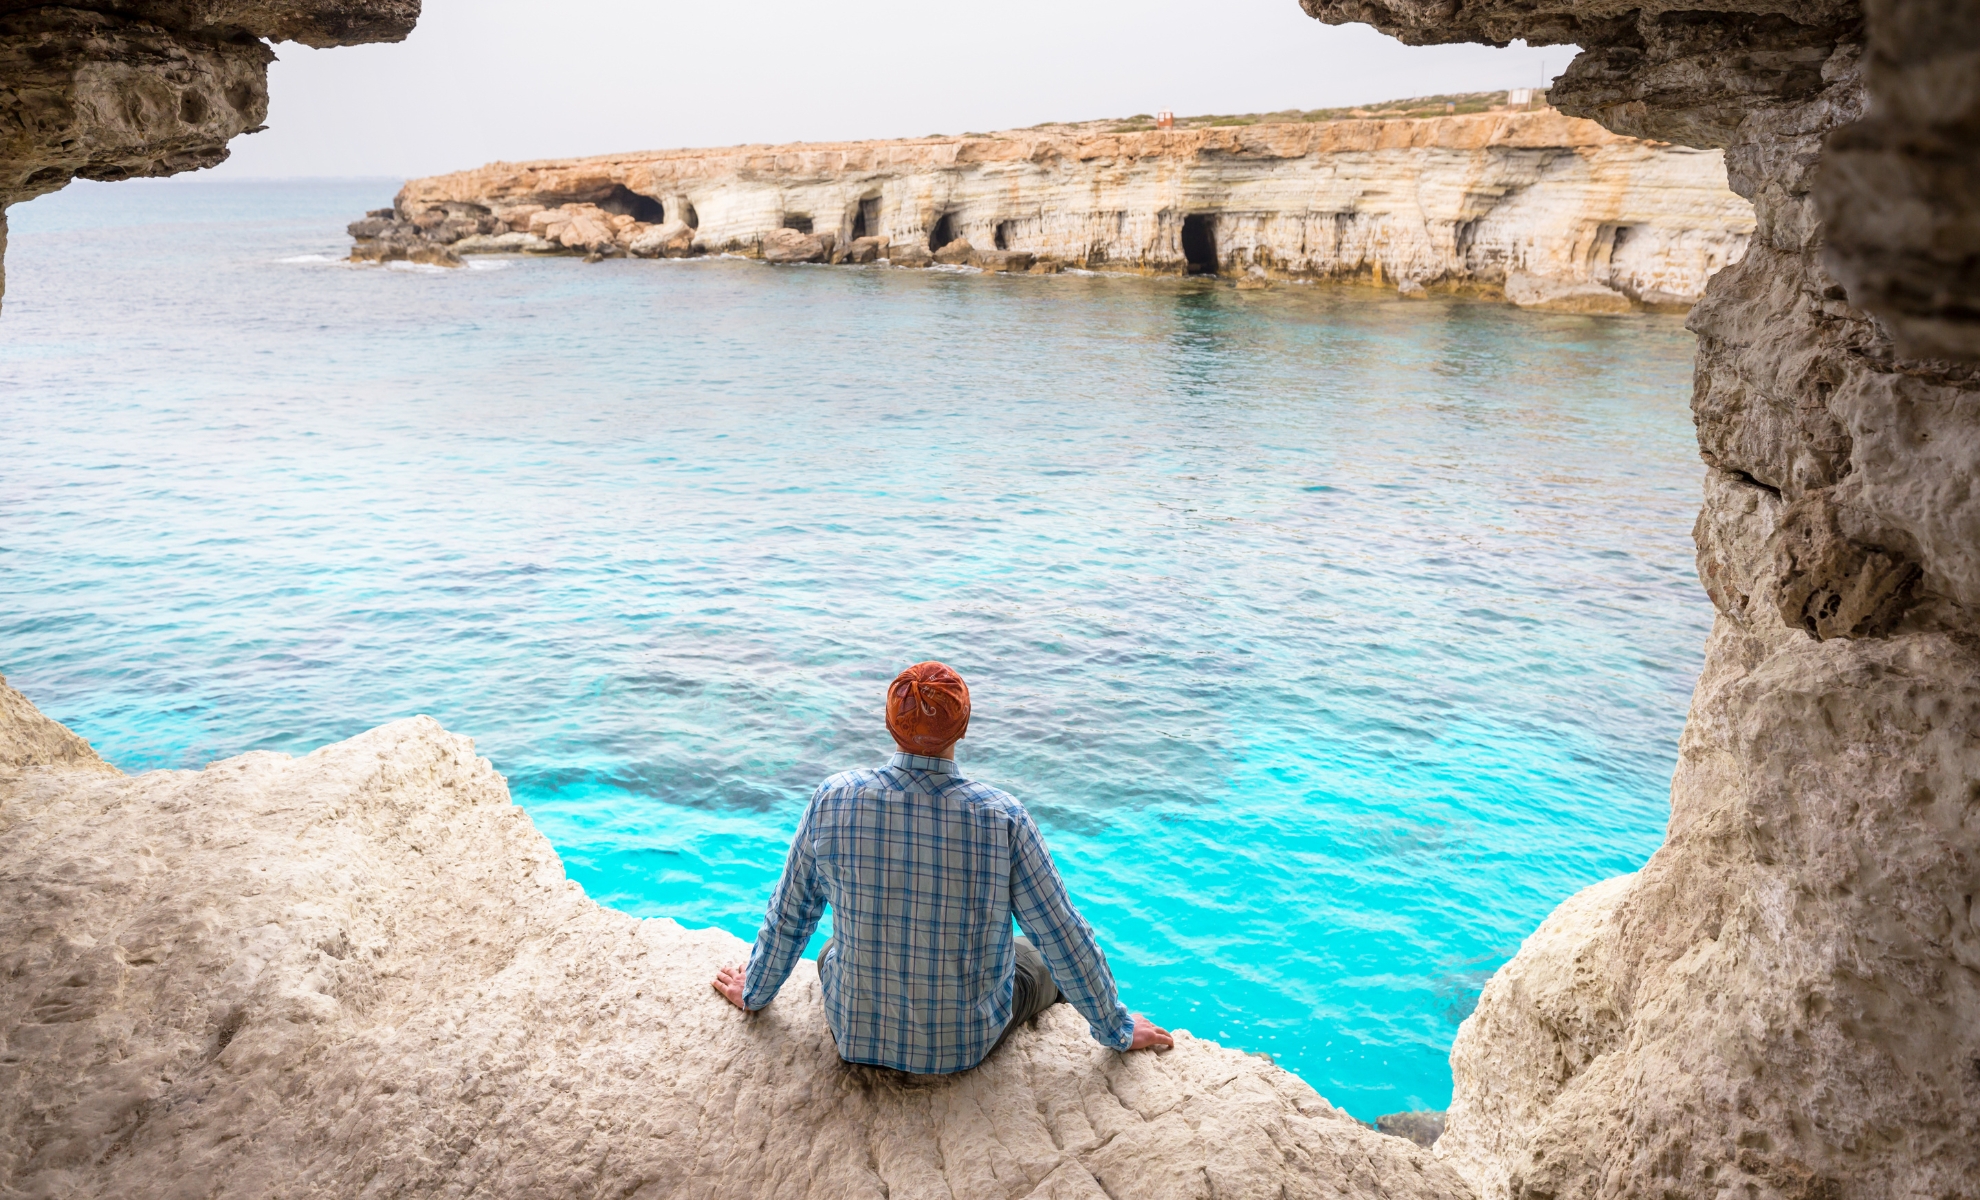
[[730, 980], [1150, 1036]]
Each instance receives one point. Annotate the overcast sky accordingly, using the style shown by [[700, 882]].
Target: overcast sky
[[508, 79]]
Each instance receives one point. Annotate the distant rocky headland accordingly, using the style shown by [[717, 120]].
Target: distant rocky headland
[[1545, 209]]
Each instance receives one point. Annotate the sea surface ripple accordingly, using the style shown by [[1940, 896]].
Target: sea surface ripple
[[1333, 638]]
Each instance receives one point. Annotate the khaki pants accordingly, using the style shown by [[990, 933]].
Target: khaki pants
[[1032, 989]]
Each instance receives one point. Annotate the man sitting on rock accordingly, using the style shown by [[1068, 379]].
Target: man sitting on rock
[[924, 870]]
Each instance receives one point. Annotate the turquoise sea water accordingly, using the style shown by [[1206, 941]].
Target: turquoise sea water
[[1332, 638]]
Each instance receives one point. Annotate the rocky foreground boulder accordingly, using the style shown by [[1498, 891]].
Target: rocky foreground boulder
[[362, 972]]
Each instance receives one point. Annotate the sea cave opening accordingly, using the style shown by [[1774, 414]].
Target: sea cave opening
[[866, 218], [1005, 229], [1608, 243], [943, 233], [798, 221], [1199, 243], [623, 201]]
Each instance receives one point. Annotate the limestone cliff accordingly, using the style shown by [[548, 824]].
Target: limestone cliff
[[1460, 201], [115, 89], [363, 973], [1785, 1001]]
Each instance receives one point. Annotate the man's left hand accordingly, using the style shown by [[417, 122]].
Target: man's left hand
[[1150, 1036], [729, 982]]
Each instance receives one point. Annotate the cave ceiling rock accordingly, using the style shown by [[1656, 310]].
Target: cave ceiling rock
[[115, 91]]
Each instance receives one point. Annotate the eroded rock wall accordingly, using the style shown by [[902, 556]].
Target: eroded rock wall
[[363, 973], [117, 90], [1462, 201], [1785, 1001], [1900, 189]]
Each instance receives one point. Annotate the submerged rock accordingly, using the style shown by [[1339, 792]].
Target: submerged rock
[[505, 243], [362, 972], [384, 250], [1423, 1128], [1014, 261], [1533, 291]]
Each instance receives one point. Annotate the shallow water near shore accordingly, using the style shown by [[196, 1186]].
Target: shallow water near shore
[[1332, 638]]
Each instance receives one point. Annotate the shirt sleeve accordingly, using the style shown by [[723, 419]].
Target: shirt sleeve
[[1047, 916], [794, 910]]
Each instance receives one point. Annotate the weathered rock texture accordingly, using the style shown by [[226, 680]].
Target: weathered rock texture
[[108, 90], [28, 739], [1785, 1001], [1900, 189], [1455, 201], [363, 973]]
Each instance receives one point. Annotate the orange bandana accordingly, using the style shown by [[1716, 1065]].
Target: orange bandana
[[927, 708]]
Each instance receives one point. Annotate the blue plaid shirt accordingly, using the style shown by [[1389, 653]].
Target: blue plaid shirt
[[924, 870]]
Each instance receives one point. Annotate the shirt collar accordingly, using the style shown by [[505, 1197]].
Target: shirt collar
[[922, 762]]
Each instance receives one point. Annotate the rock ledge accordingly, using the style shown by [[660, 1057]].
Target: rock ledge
[[362, 972]]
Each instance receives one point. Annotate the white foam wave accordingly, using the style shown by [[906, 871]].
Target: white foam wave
[[310, 258]]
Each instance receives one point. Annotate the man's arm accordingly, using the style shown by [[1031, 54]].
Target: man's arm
[[795, 907], [1046, 913]]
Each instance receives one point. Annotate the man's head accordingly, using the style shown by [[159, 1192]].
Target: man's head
[[927, 709]]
